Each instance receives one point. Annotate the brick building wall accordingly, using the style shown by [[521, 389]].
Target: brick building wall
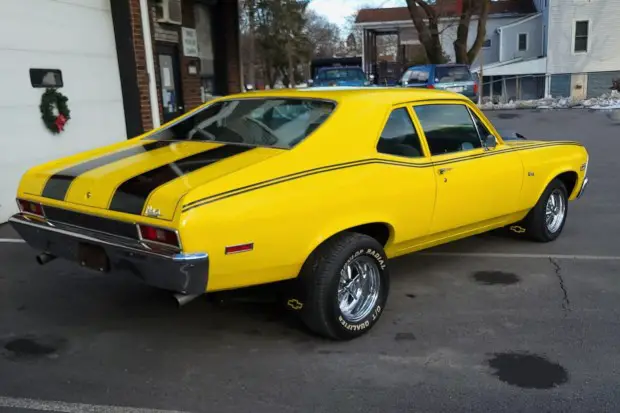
[[140, 62], [225, 39]]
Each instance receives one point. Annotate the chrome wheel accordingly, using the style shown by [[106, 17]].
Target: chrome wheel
[[555, 211], [358, 289]]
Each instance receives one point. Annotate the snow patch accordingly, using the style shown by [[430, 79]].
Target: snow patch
[[606, 101]]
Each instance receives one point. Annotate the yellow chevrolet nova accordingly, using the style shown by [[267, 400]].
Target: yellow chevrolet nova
[[319, 187]]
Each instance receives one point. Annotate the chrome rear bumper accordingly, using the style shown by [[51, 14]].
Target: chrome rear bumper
[[583, 188], [159, 267]]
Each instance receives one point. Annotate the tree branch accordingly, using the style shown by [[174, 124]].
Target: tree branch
[[481, 32]]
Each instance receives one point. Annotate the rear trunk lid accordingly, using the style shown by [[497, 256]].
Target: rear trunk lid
[[148, 178]]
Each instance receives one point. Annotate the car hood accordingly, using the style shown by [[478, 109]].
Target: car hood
[[131, 178]]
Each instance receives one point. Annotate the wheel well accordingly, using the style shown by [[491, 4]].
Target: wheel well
[[377, 230], [569, 179]]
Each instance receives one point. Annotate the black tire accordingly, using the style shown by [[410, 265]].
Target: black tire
[[319, 282], [535, 225]]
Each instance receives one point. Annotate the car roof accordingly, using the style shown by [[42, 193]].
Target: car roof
[[382, 95]]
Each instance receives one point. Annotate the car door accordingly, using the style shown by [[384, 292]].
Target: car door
[[475, 184], [408, 190]]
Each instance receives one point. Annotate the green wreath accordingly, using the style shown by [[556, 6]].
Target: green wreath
[[53, 99]]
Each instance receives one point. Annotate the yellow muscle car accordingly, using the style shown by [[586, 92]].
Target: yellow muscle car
[[315, 186]]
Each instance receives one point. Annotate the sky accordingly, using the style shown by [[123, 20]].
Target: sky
[[337, 11]]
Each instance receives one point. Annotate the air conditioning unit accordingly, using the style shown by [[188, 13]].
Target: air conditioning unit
[[169, 11]]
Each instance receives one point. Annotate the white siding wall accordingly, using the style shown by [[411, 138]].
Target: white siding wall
[[510, 37], [77, 37], [490, 55], [604, 16]]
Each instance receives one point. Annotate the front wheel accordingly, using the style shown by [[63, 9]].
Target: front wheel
[[345, 284], [546, 220]]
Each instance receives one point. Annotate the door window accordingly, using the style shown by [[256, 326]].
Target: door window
[[448, 128], [399, 136], [483, 131]]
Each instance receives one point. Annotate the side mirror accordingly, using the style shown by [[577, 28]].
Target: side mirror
[[490, 142], [249, 87]]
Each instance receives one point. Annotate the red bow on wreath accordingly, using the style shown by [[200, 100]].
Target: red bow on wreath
[[60, 122]]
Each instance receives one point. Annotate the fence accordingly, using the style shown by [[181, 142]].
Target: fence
[[502, 89]]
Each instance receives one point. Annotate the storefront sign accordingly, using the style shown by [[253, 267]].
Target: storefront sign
[[190, 42]]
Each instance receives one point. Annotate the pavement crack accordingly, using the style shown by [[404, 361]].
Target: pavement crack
[[558, 273]]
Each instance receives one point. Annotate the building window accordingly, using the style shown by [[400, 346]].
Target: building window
[[581, 36], [486, 44], [522, 42]]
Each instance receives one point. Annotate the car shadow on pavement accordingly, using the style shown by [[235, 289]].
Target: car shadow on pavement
[[95, 304]]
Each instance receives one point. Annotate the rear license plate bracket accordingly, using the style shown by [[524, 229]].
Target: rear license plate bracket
[[93, 257]]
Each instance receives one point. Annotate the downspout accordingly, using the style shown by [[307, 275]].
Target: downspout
[[150, 62]]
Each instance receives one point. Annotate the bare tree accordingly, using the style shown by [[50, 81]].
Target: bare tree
[[470, 8], [432, 17]]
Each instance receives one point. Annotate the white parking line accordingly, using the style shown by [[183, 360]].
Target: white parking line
[[62, 407], [510, 255], [12, 240]]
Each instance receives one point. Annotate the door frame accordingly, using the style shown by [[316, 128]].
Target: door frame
[[173, 50]]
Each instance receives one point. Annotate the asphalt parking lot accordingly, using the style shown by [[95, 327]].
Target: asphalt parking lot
[[490, 323]]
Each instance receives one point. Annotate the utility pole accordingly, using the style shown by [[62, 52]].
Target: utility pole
[[481, 77], [252, 28]]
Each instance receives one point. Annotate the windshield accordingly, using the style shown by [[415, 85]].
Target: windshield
[[281, 123], [452, 74], [341, 74]]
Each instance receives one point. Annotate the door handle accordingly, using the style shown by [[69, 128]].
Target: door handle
[[444, 170]]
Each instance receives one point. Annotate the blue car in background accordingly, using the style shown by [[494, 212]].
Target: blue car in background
[[340, 76], [452, 77]]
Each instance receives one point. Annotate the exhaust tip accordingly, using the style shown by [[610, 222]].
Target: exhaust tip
[[44, 258], [183, 299]]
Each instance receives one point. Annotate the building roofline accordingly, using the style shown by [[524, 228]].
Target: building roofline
[[520, 21]]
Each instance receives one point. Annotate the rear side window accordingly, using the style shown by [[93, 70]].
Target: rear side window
[[416, 74], [267, 122], [446, 74], [399, 136], [341, 74], [448, 128]]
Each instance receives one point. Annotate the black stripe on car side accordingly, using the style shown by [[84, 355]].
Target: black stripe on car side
[[130, 197], [329, 168], [58, 184]]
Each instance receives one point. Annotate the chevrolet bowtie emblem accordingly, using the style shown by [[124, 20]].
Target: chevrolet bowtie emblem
[[152, 212]]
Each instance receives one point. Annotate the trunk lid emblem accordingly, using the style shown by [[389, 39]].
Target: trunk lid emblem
[[152, 212]]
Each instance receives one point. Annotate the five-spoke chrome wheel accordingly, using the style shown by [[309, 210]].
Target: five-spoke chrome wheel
[[358, 290], [555, 211]]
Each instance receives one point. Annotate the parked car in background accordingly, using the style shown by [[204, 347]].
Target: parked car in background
[[341, 76], [451, 77]]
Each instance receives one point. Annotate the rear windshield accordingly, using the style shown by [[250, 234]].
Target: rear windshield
[[452, 74], [280, 123], [341, 74]]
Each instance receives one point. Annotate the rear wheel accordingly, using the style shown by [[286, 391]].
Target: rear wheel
[[546, 220], [345, 286]]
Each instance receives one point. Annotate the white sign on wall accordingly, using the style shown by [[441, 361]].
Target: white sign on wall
[[190, 42]]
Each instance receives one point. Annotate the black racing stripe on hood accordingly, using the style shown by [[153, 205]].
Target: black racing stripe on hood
[[58, 184], [130, 197]]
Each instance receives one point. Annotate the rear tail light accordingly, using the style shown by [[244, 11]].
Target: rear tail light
[[431, 86], [29, 207], [475, 88], [159, 235]]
